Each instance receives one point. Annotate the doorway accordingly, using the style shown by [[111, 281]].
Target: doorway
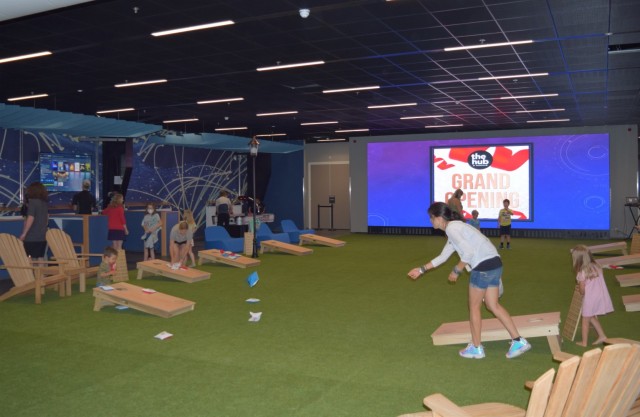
[[329, 181]]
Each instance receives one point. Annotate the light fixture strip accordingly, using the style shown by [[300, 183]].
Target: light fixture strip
[[385, 106], [277, 113], [502, 77], [221, 100], [222, 129], [180, 120], [115, 110], [351, 130], [548, 120], [193, 28], [345, 90], [319, 123], [486, 45], [266, 135], [28, 97], [287, 66], [27, 56], [331, 140], [437, 116], [438, 126], [531, 96], [539, 111], [140, 83]]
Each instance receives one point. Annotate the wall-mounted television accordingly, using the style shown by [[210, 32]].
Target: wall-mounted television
[[65, 172]]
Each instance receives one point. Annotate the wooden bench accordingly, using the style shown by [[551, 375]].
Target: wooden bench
[[160, 267], [631, 302], [276, 245], [532, 325], [619, 260], [609, 247], [132, 296], [320, 240], [223, 257], [628, 280]]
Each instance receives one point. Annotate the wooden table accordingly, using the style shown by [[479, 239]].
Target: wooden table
[[276, 245], [224, 257], [157, 303], [320, 240], [160, 267]]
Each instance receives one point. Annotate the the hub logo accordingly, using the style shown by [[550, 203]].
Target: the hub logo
[[480, 160]]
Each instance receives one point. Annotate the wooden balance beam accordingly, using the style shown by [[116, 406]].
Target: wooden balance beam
[[227, 258], [609, 247], [619, 260], [628, 280], [132, 296], [160, 267], [532, 325], [275, 245], [631, 302], [320, 240]]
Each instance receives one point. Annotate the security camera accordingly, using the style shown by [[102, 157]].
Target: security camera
[[304, 13]]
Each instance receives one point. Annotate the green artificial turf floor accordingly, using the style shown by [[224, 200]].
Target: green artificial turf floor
[[344, 332]]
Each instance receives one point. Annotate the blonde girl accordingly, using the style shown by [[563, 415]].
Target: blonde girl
[[596, 300], [187, 216]]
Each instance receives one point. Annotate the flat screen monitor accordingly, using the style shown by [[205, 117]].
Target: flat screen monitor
[[65, 172]]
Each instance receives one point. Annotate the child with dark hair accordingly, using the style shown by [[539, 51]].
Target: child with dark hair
[[107, 268], [34, 231]]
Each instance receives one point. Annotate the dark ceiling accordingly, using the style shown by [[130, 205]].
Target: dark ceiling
[[589, 48]]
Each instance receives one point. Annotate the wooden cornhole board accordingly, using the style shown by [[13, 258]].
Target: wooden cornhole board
[[275, 245], [214, 255], [628, 280], [320, 240], [132, 296], [122, 273], [160, 267], [631, 302], [609, 247], [532, 325], [619, 260], [573, 317]]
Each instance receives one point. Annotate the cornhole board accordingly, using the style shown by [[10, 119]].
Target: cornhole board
[[214, 255], [531, 325], [631, 302], [160, 267], [619, 260], [275, 245], [616, 340], [609, 247], [628, 280], [122, 273], [573, 316], [157, 303], [320, 240]]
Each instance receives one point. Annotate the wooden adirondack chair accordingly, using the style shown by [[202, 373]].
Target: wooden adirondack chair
[[76, 265], [24, 274], [603, 383]]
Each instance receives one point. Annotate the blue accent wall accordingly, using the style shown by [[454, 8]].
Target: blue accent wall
[[284, 195]]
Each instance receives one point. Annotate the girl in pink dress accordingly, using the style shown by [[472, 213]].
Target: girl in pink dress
[[596, 300]]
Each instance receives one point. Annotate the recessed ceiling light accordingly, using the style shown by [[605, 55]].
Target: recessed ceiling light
[[539, 111], [351, 130], [486, 45], [422, 117], [115, 110], [193, 28], [286, 66], [277, 113], [384, 106], [180, 120], [530, 96], [222, 129], [28, 97], [501, 77], [318, 123], [438, 126], [548, 120], [27, 56], [344, 90], [139, 83], [221, 100], [266, 135]]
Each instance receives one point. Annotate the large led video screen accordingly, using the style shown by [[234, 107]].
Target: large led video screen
[[552, 182], [64, 172]]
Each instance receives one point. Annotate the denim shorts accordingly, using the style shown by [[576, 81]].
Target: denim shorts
[[485, 279]]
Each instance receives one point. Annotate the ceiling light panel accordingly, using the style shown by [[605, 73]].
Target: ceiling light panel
[[193, 28], [30, 97], [138, 83], [26, 56]]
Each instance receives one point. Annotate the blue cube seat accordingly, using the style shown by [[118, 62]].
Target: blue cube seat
[[217, 237], [289, 227], [265, 233]]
